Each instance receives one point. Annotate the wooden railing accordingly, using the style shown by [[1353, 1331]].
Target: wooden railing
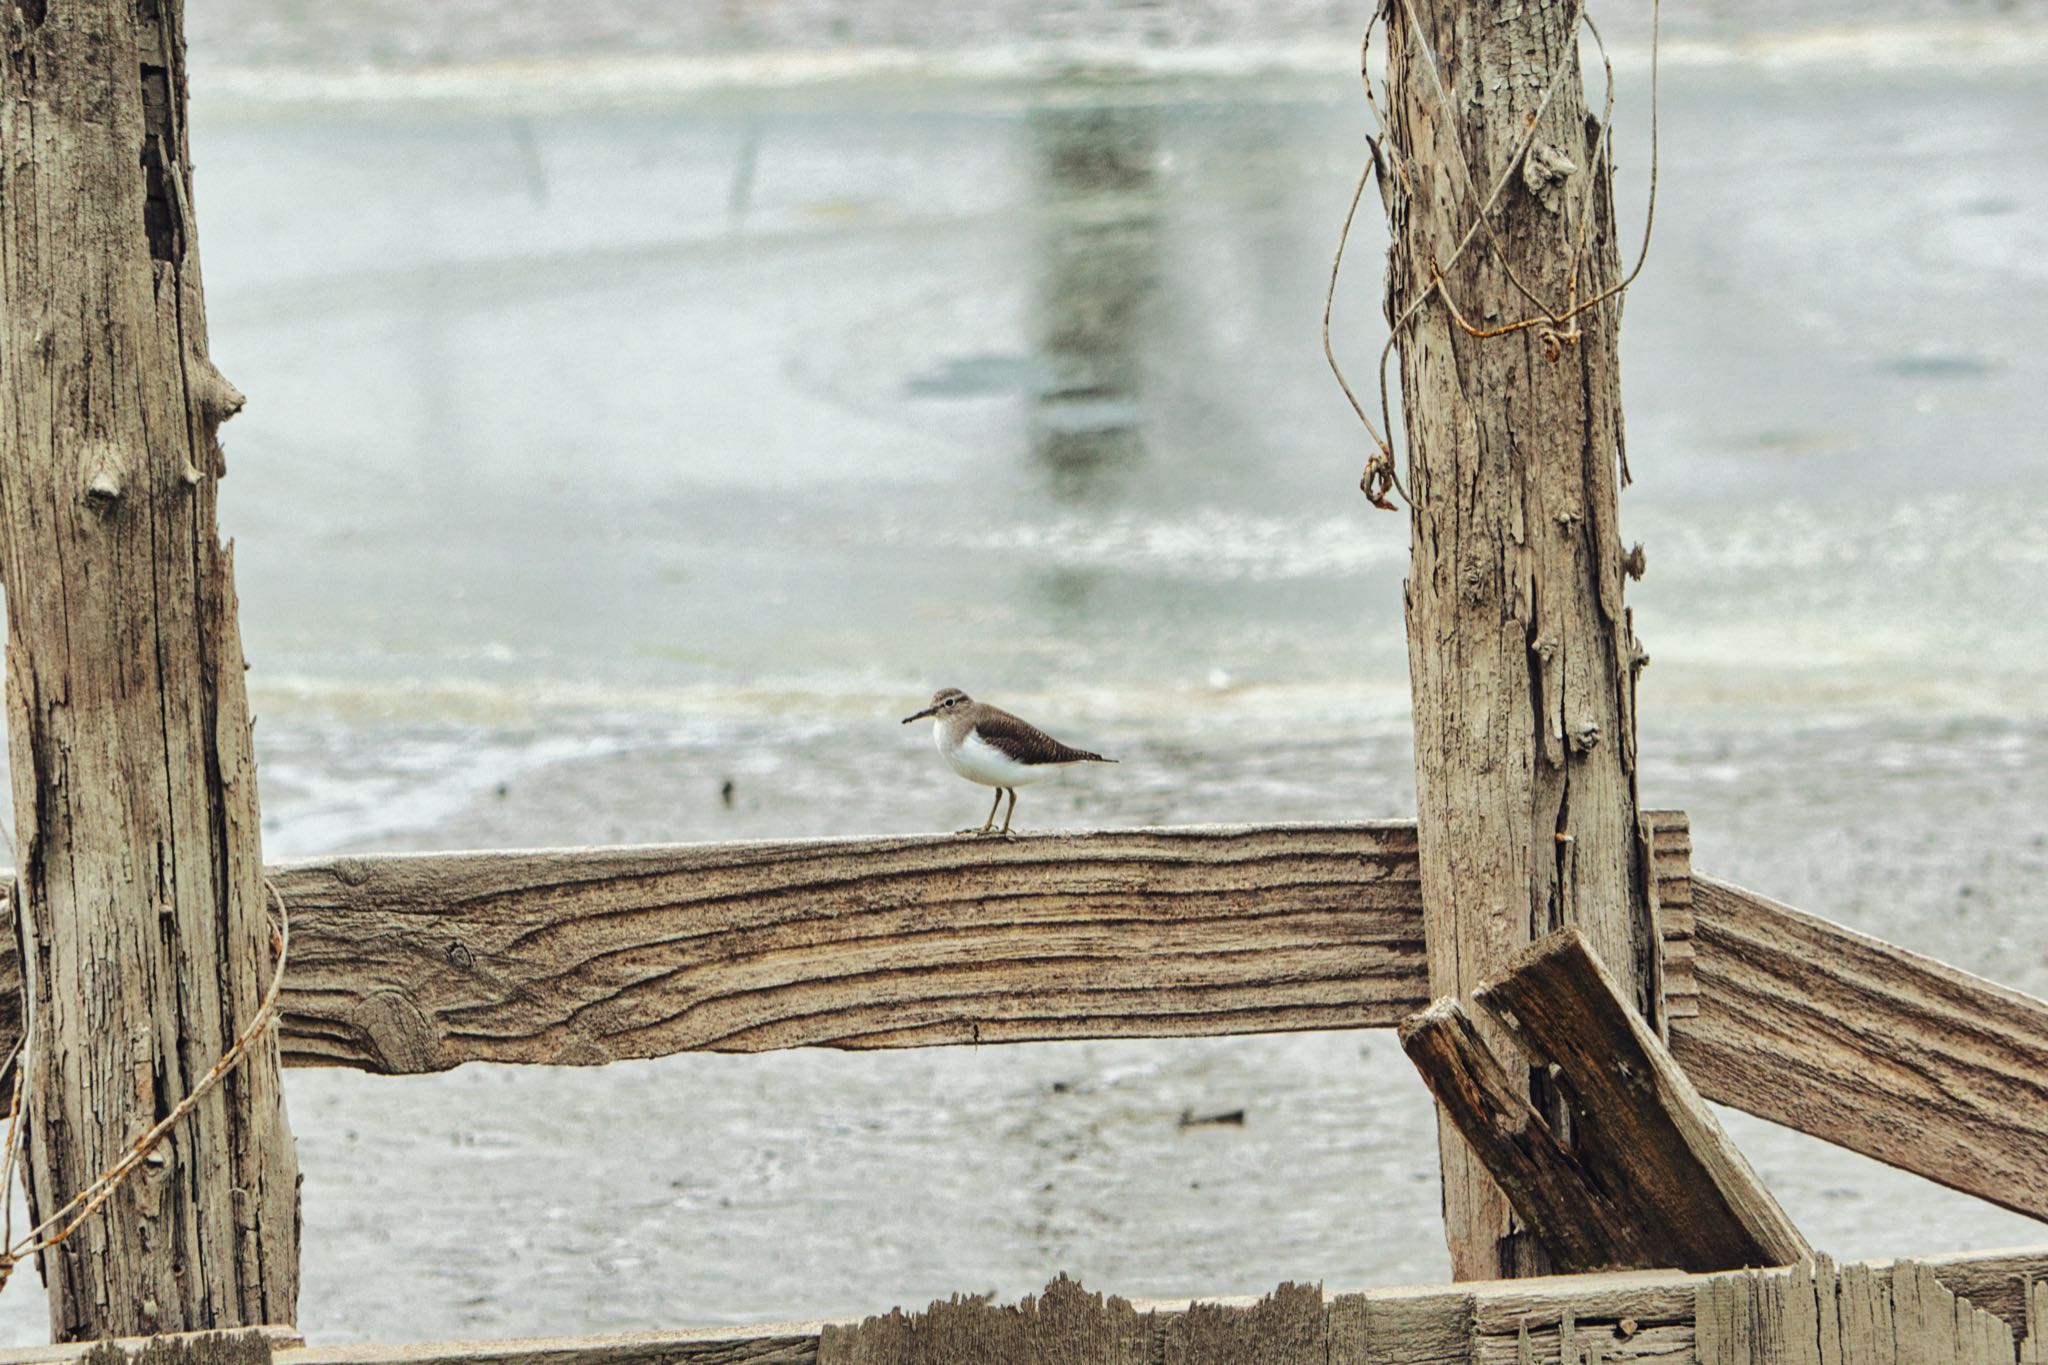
[[1981, 1309], [420, 962]]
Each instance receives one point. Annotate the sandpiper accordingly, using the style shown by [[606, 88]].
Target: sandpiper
[[988, 745]]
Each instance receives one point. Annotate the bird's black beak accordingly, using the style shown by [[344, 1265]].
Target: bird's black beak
[[928, 711]]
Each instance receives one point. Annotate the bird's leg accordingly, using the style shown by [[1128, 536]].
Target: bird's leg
[[988, 825], [1008, 813]]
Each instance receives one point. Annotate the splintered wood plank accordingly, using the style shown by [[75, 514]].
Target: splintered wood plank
[[1864, 1315], [1878, 1049], [1564, 1205], [1640, 1125], [1287, 1327], [1064, 1324], [1663, 1316]]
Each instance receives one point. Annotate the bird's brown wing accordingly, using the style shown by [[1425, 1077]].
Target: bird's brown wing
[[1026, 743]]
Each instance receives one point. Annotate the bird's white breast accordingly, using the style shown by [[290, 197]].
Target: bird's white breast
[[977, 760]]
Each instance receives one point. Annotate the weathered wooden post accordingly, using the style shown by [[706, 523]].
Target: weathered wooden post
[[140, 884], [1520, 653]]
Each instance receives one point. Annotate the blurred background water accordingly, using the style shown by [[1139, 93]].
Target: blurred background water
[[650, 397]]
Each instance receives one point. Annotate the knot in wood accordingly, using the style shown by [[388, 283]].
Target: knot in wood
[[1586, 737], [1544, 170]]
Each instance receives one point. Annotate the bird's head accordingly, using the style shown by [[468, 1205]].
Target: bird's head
[[943, 700]]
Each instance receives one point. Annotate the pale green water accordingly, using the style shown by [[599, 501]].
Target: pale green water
[[601, 450]]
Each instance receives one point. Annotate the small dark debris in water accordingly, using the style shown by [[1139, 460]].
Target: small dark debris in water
[[725, 793], [1936, 365], [1232, 1117], [1062, 1087], [504, 790]]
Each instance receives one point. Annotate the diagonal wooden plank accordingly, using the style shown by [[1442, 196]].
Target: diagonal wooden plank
[[1640, 1125], [1565, 1205], [1876, 1048]]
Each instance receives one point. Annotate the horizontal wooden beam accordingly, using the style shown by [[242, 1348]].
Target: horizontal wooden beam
[[406, 964], [1629, 1316], [420, 962]]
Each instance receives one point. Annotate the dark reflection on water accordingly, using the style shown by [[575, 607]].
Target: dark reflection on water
[[1099, 264]]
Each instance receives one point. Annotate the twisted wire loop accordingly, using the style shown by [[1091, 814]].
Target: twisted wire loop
[[74, 1213], [1556, 324]]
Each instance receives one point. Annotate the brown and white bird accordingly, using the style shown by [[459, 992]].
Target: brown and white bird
[[988, 745]]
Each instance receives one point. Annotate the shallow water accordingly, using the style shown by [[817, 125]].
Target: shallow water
[[608, 447]]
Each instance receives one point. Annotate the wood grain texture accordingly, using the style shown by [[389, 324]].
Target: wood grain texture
[[1065, 1323], [419, 962], [1288, 1327], [1628, 1316], [1815, 1315], [1644, 1131], [133, 774], [1881, 1050], [586, 956], [1521, 654], [1563, 1204]]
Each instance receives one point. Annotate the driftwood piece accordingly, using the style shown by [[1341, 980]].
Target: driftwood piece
[[1881, 1050], [133, 774], [1563, 1204], [1520, 648], [1642, 1127]]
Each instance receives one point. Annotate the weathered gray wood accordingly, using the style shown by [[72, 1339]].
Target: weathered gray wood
[[420, 962], [779, 1344], [1564, 1205], [1810, 1315], [134, 786], [1064, 1324], [194, 1348], [1881, 1050], [1521, 656], [267, 1340], [411, 964], [1626, 1316], [1288, 1327], [1669, 1167]]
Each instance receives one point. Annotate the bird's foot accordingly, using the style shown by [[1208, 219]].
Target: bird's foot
[[978, 833]]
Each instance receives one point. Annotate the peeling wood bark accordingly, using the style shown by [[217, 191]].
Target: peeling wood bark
[[1668, 1167], [1521, 656], [1578, 1224], [134, 785]]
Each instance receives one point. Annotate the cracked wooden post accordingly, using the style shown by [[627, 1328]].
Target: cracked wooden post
[[1521, 657], [141, 893]]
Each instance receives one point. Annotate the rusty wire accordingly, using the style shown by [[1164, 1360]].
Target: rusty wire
[[75, 1211], [1557, 324]]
